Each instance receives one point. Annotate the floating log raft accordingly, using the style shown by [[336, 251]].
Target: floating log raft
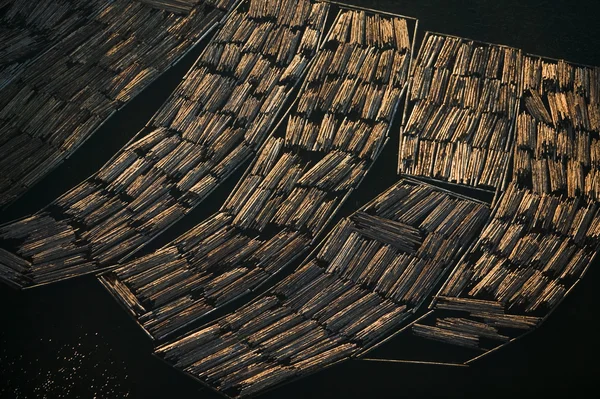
[[29, 28], [464, 98], [544, 232], [363, 282], [558, 127], [61, 98], [216, 118], [304, 172], [529, 256]]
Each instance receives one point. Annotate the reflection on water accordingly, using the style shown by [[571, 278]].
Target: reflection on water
[[74, 371]]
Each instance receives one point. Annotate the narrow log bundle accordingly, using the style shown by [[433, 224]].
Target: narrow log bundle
[[303, 173], [536, 247], [364, 281], [217, 117], [464, 99], [558, 127], [59, 99]]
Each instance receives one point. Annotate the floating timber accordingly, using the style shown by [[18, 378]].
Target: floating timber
[[530, 255], [362, 283], [304, 172], [558, 145], [214, 121], [463, 104], [61, 98], [473, 106], [29, 28]]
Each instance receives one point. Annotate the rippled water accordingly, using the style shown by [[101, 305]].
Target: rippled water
[[71, 340], [73, 372]]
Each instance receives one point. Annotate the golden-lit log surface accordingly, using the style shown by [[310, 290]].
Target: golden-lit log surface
[[303, 173], [362, 283], [59, 99], [464, 101], [546, 226], [214, 121], [533, 251], [472, 108], [557, 146]]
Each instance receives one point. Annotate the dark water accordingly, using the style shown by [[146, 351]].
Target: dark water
[[72, 340]]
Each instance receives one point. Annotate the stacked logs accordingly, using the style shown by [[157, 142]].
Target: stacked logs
[[464, 97], [196, 140], [302, 174], [59, 99], [364, 281]]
